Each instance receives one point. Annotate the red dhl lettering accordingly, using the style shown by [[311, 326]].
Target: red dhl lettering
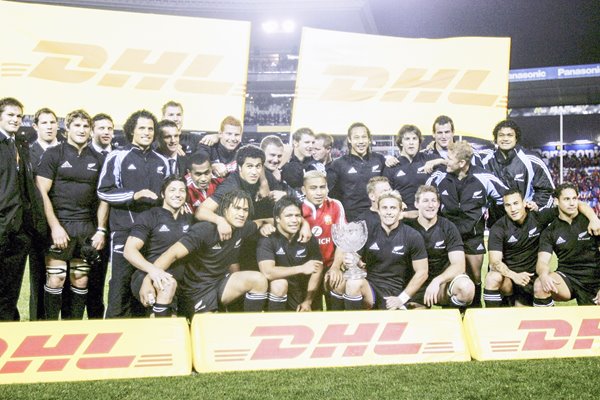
[[56, 358], [555, 334], [286, 342]]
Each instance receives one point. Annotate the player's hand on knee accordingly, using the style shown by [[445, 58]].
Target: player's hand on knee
[[522, 278], [311, 267], [304, 306], [548, 284]]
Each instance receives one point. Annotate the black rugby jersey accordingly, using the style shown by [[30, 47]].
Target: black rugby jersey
[[519, 244], [576, 250], [407, 176], [75, 177]]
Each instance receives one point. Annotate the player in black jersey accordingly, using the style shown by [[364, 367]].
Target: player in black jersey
[[155, 231], [294, 269], [392, 252], [67, 177], [513, 246], [447, 283], [212, 279], [377, 186], [348, 175], [578, 253]]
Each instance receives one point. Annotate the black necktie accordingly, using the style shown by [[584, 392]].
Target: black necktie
[[172, 166], [104, 153]]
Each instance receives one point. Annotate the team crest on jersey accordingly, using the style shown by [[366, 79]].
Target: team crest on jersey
[[374, 246], [328, 220], [583, 236], [92, 167], [317, 231], [400, 173], [398, 250], [66, 164], [519, 178], [131, 167], [440, 245], [375, 168], [512, 239], [533, 233], [160, 170], [301, 253], [560, 240], [421, 170], [352, 171], [237, 244], [185, 228], [477, 194], [280, 252]]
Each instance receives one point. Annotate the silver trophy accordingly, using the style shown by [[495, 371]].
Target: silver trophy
[[350, 238]]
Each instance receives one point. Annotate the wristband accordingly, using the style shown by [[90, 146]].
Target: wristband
[[101, 230], [404, 297]]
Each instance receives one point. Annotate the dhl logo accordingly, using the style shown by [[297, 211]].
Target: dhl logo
[[335, 340], [350, 83], [77, 63], [84, 351], [551, 334]]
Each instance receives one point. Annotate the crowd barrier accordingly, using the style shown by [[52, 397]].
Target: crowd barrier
[[122, 349]]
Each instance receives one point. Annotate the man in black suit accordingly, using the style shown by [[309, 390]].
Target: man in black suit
[[19, 208]]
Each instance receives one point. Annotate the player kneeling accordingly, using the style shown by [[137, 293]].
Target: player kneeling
[[212, 279], [294, 269], [447, 285]]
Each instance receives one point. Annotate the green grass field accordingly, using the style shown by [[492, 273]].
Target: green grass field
[[574, 378]]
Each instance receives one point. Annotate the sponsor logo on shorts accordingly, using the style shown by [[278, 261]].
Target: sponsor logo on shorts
[[199, 306]]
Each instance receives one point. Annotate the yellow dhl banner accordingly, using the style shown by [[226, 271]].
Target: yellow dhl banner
[[235, 342], [523, 333], [90, 350], [387, 82], [118, 62]]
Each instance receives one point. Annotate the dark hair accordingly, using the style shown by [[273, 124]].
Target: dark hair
[[132, 121], [165, 123], [507, 123], [513, 191], [357, 125], [170, 179], [249, 151], [564, 186], [283, 203], [197, 159], [408, 129], [101, 117], [232, 198], [443, 120], [10, 101], [41, 111]]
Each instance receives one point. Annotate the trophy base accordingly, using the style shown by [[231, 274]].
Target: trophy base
[[355, 273]]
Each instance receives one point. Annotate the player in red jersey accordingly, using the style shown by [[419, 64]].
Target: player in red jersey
[[321, 213]]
